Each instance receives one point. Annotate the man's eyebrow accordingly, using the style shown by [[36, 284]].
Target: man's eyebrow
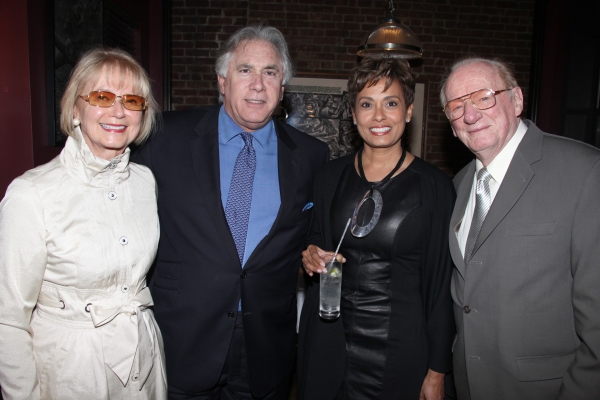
[[245, 66], [272, 66], [250, 66]]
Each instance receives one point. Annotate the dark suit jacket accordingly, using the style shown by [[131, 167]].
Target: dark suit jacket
[[532, 330], [198, 280]]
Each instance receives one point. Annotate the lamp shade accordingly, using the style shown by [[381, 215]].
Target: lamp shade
[[391, 39]]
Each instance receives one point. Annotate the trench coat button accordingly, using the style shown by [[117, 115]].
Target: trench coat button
[[467, 309], [125, 288], [123, 240], [112, 196], [231, 314], [113, 164], [135, 377], [243, 275]]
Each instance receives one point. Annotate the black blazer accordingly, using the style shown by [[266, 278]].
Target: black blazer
[[198, 280]]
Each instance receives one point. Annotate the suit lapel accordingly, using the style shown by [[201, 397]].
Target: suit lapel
[[205, 158], [288, 172], [462, 198], [517, 178]]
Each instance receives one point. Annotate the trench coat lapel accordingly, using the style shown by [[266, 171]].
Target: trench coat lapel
[[205, 157]]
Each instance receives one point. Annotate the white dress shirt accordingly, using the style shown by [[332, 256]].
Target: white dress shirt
[[497, 169]]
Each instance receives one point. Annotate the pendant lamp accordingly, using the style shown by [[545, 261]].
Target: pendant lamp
[[391, 39]]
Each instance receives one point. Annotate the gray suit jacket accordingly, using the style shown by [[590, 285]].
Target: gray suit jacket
[[527, 306]]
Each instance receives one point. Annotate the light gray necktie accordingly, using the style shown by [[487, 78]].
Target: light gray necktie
[[482, 206]]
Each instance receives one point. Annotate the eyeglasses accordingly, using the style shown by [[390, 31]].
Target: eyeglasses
[[482, 99], [100, 98]]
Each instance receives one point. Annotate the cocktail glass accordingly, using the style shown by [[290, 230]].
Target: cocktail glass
[[331, 288]]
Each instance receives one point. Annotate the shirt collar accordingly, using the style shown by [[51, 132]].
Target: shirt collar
[[499, 165], [264, 136]]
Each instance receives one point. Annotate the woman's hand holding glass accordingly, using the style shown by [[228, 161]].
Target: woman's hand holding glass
[[312, 260]]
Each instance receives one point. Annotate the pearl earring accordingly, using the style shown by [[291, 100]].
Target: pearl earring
[[76, 122], [407, 121], [354, 122]]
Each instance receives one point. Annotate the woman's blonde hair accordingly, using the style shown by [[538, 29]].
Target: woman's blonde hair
[[89, 68]]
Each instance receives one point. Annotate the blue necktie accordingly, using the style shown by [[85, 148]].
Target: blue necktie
[[239, 199]]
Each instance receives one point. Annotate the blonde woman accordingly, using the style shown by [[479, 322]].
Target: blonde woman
[[77, 237]]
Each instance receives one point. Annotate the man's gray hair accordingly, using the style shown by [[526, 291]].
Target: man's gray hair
[[505, 71], [268, 34]]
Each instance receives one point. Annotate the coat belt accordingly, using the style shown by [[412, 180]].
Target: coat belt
[[130, 330]]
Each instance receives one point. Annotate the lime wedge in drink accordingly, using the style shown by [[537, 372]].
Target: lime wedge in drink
[[335, 272]]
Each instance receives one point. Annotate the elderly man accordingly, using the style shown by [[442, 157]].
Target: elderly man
[[234, 196], [525, 239]]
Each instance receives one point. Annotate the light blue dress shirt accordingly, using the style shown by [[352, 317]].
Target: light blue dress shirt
[[266, 198]]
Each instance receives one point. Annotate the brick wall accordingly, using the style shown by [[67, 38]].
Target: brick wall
[[323, 36]]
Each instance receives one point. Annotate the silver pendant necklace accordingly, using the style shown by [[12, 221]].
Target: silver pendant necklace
[[371, 194]]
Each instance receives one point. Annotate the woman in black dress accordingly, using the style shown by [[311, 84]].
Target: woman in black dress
[[394, 337]]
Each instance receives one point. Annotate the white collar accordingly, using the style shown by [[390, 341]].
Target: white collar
[[499, 165], [87, 168]]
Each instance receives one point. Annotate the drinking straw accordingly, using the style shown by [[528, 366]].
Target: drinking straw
[[342, 238]]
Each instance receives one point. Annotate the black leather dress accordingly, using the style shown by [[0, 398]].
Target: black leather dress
[[382, 306]]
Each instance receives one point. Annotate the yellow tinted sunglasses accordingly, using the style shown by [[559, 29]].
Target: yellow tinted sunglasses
[[100, 98]]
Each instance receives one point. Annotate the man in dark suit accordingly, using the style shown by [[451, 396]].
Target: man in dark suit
[[234, 196], [525, 239]]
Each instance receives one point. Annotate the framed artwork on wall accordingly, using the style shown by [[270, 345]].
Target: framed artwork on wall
[[319, 105], [417, 128]]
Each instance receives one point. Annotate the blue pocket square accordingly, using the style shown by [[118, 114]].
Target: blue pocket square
[[308, 206]]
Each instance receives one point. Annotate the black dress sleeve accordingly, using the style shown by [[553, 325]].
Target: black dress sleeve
[[438, 200]]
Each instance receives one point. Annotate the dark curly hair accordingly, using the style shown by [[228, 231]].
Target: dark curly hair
[[371, 70]]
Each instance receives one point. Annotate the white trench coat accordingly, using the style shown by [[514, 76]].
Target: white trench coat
[[77, 237]]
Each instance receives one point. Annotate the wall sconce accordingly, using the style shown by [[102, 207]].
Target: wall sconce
[[391, 39]]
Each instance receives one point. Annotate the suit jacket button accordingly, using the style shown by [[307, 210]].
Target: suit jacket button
[[467, 309], [231, 314], [243, 274]]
